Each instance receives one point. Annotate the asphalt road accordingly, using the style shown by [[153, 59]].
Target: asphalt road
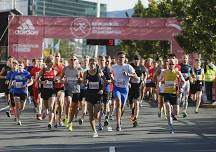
[[196, 133]]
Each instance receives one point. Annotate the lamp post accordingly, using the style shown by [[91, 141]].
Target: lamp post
[[97, 15]]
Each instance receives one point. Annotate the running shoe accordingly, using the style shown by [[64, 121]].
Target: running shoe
[[19, 123], [8, 114], [49, 126], [95, 135], [109, 128], [80, 121], [55, 125], [66, 123], [106, 122], [70, 127], [118, 128], [135, 123], [184, 114], [61, 124], [100, 127]]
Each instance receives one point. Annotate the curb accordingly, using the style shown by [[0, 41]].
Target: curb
[[207, 106]]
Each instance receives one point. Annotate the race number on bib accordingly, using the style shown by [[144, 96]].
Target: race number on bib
[[148, 81], [169, 84], [198, 77], [48, 84], [94, 85], [120, 83], [19, 84], [72, 80]]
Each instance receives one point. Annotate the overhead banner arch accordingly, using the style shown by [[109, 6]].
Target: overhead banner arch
[[26, 33]]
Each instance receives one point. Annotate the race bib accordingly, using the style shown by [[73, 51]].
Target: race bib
[[94, 85], [137, 80], [19, 84], [72, 80], [161, 88], [148, 81], [169, 84], [198, 77], [120, 83], [48, 84]]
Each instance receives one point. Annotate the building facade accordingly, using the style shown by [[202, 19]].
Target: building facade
[[65, 8]]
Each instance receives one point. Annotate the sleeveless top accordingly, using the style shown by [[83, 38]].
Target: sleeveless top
[[94, 81], [48, 79], [170, 79]]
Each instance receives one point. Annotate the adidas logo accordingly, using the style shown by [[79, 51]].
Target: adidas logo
[[26, 28]]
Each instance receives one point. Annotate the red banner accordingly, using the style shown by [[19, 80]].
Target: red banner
[[26, 33]]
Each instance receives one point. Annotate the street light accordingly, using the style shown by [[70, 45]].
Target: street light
[[97, 15]]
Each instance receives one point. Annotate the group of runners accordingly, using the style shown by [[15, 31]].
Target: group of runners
[[71, 89]]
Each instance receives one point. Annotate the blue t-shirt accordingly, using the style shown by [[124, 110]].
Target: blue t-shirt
[[21, 80], [8, 77]]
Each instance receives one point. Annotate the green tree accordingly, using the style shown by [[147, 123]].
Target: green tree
[[198, 29]]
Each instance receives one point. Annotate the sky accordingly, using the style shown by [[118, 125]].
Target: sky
[[117, 5]]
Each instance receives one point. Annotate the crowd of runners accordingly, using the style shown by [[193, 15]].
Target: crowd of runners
[[66, 91]]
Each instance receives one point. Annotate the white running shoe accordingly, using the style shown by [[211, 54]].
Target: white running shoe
[[95, 135]]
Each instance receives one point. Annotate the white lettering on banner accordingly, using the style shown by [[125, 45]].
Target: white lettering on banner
[[24, 47], [105, 28], [94, 85], [26, 28]]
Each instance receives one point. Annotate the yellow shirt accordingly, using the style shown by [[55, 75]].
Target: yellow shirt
[[170, 79]]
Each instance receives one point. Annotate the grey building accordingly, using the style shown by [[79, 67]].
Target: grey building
[[65, 8]]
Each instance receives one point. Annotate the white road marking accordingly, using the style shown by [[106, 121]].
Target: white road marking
[[4, 108], [111, 149]]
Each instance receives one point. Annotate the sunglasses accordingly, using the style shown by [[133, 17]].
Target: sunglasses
[[73, 59], [171, 64], [57, 56]]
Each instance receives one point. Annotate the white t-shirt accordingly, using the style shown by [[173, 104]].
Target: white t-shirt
[[121, 80]]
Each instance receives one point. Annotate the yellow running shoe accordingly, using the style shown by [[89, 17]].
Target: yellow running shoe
[[66, 123], [70, 126]]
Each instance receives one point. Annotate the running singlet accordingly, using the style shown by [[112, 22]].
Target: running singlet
[[170, 79], [199, 74], [121, 80], [59, 69], [151, 70], [94, 81], [106, 71], [71, 77], [21, 80], [47, 79], [186, 71]]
